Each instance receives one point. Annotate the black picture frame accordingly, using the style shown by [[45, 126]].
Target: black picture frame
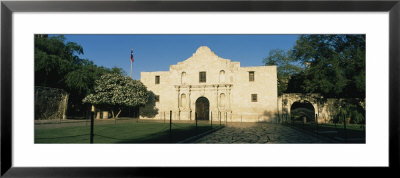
[[8, 7]]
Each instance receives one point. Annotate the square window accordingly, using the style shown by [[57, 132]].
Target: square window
[[202, 77], [251, 76], [157, 79], [253, 97], [157, 98]]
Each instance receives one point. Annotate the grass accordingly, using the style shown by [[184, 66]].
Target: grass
[[355, 127], [354, 133], [129, 132]]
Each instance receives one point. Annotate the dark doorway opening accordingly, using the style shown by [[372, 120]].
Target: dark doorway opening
[[202, 108], [302, 111]]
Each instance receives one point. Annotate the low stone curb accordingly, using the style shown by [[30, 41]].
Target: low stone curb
[[189, 140]]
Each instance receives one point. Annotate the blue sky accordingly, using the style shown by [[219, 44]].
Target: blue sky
[[158, 52]]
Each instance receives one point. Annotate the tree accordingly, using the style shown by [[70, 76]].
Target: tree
[[335, 64], [286, 67], [54, 58], [296, 83], [58, 65], [332, 65], [335, 68], [114, 91]]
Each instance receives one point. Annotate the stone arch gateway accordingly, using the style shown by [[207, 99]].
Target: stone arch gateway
[[314, 106], [303, 111]]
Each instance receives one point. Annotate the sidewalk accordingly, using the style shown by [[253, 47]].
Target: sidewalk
[[259, 133]]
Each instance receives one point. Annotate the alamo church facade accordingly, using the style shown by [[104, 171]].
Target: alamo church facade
[[207, 86]]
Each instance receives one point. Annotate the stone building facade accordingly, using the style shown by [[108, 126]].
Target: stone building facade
[[206, 86]]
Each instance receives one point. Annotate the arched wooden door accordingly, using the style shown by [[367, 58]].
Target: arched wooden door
[[202, 108]]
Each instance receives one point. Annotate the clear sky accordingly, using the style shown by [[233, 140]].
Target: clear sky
[[158, 52]]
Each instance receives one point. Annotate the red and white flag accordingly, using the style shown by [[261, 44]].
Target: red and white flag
[[132, 55]]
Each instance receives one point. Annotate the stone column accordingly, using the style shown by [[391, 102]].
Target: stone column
[[228, 95], [193, 108], [189, 99], [217, 104], [177, 104]]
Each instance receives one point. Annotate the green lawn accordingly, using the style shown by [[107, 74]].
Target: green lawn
[[354, 133], [355, 127], [131, 132]]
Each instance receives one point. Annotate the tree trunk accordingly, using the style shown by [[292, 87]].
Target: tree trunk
[[119, 112], [112, 111]]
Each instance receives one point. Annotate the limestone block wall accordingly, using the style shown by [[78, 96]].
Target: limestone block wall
[[264, 86], [164, 90], [226, 87], [325, 109], [50, 103], [328, 110]]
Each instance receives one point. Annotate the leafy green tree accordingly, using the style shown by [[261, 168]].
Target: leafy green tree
[[149, 109], [332, 65], [287, 67], [81, 80], [54, 58], [335, 68], [335, 64], [58, 65], [296, 83], [114, 91], [352, 111]]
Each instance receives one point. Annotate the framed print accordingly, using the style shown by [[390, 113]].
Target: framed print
[[190, 97]]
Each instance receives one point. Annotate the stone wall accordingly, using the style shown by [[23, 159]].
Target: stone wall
[[50, 103], [324, 108]]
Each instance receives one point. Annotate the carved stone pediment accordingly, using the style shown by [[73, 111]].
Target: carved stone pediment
[[204, 57]]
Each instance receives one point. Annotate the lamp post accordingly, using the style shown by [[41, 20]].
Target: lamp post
[[91, 124]]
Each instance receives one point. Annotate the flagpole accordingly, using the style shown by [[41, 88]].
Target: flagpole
[[131, 70], [131, 62]]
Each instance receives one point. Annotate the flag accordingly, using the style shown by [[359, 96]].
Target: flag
[[132, 55]]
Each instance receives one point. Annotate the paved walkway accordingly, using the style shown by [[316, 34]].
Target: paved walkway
[[259, 133]]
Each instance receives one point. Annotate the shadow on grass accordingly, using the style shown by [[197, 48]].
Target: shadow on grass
[[174, 136], [351, 134], [121, 132]]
